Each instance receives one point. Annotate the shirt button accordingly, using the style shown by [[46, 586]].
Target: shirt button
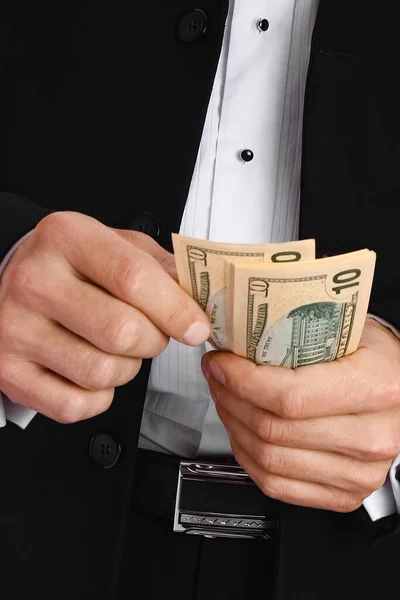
[[104, 450], [263, 24], [247, 155], [146, 223], [192, 26]]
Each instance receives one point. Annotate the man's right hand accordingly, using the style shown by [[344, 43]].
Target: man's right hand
[[81, 305]]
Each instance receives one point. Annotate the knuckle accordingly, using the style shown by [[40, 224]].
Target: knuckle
[[177, 313], [130, 369], [24, 281], [122, 334], [4, 370], [9, 328], [167, 261], [72, 410], [99, 372], [376, 480], [128, 277], [392, 389], [136, 368], [346, 502], [105, 401], [291, 403], [367, 480], [379, 448], [142, 240], [271, 487], [135, 237], [271, 459], [272, 429], [53, 227], [159, 346]]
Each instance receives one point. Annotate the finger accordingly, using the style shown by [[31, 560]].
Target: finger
[[54, 347], [359, 383], [51, 395], [147, 244], [293, 491], [92, 313], [369, 438], [313, 466], [127, 272]]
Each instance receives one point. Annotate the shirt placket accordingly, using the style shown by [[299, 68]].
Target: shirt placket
[[245, 175]]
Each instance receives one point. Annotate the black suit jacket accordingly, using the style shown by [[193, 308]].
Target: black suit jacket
[[101, 111]]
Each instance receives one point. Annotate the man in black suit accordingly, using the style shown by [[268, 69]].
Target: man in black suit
[[102, 108]]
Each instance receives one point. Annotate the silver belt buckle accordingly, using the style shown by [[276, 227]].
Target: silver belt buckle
[[212, 525]]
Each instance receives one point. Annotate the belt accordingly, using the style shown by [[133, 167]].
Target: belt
[[203, 497]]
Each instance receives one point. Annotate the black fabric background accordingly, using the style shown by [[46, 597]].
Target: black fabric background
[[101, 111]]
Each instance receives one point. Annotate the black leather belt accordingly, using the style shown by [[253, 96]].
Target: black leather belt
[[203, 497]]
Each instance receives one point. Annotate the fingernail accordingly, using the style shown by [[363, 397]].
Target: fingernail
[[217, 372], [197, 334], [205, 366]]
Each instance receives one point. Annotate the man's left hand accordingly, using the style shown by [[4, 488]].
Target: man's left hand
[[322, 436]]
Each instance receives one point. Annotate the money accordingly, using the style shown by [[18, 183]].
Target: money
[[301, 313], [201, 267]]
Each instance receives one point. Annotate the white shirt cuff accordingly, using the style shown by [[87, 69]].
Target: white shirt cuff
[[386, 500], [9, 411]]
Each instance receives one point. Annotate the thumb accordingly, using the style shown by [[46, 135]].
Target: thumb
[[148, 245]]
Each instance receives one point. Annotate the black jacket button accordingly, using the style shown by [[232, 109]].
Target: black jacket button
[[146, 223], [104, 450], [192, 26]]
